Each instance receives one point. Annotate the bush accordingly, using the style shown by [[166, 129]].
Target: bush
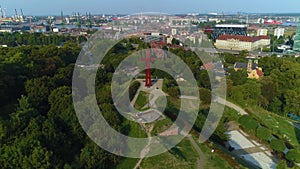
[[248, 123], [277, 145], [281, 165], [263, 133], [293, 155]]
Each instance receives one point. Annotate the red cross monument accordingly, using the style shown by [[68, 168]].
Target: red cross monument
[[148, 60]]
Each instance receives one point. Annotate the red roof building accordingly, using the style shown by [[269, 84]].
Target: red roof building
[[239, 43]]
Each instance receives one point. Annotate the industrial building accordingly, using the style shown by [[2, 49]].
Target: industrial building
[[239, 43]]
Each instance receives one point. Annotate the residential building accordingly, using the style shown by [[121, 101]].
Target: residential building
[[262, 32], [279, 32], [254, 72], [296, 46]]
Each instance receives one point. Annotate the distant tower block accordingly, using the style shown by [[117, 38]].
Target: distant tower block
[[148, 60], [297, 38]]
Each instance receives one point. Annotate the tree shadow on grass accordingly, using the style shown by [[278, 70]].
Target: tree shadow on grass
[[178, 153]]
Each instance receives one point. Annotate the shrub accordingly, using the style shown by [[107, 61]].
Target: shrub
[[248, 123], [263, 133], [277, 145], [293, 155], [281, 165]]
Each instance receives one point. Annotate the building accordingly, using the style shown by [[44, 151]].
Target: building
[[6, 29], [41, 28], [174, 31], [262, 32], [253, 71], [239, 43], [279, 32], [228, 29], [296, 46]]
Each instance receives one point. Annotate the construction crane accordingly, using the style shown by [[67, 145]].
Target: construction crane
[[78, 23], [88, 20], [1, 12], [22, 14], [16, 12]]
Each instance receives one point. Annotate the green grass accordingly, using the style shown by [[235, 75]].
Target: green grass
[[134, 129], [183, 156], [127, 163], [161, 126], [216, 162], [277, 124], [141, 100]]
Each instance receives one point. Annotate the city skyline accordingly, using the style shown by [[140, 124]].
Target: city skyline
[[35, 7]]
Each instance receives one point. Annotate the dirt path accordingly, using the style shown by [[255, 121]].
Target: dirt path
[[146, 150], [202, 160]]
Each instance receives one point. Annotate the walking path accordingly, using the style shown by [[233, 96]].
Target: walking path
[[201, 161], [231, 105], [146, 149]]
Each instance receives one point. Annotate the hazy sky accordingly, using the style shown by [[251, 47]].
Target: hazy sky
[[44, 7]]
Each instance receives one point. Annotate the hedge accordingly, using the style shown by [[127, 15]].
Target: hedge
[[293, 155], [277, 145], [263, 133], [248, 123]]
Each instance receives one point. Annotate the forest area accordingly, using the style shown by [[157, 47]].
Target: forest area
[[38, 124]]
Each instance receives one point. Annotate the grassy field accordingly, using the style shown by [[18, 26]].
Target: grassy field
[[278, 125], [161, 126], [141, 100], [183, 156], [213, 161], [127, 163]]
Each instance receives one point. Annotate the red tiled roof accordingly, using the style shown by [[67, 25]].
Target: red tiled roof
[[259, 72], [208, 66], [242, 38]]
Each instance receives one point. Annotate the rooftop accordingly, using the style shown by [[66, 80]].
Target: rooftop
[[231, 26]]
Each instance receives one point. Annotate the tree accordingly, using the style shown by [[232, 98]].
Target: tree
[[38, 90], [292, 102], [229, 58], [39, 158], [205, 95], [238, 77], [269, 88]]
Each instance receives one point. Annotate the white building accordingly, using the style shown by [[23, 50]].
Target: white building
[[239, 43], [279, 32], [174, 32]]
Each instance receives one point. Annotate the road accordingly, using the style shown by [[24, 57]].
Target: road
[[215, 51]]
